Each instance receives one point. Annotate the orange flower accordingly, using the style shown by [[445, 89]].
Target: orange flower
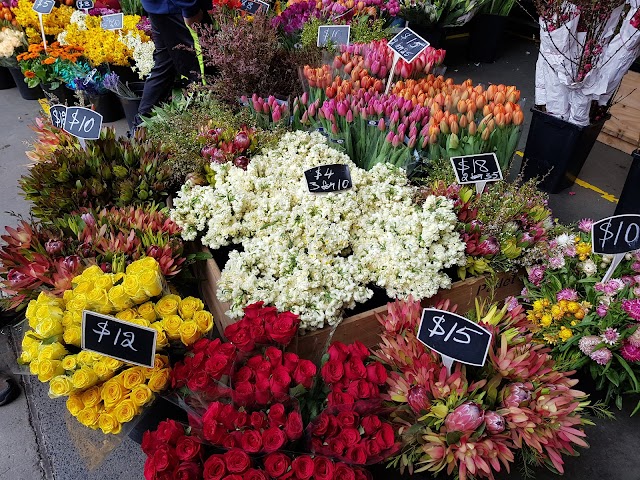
[[49, 61], [29, 74]]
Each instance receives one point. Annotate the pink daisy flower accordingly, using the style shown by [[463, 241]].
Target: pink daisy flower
[[610, 336], [630, 352], [568, 294], [602, 310], [601, 356], [588, 343], [634, 338], [632, 307], [585, 225]]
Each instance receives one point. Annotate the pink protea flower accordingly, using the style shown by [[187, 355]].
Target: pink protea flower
[[588, 343], [630, 352], [634, 339], [632, 307], [418, 399], [568, 294], [610, 336], [585, 225], [602, 356], [602, 310], [495, 423], [515, 394], [465, 418]]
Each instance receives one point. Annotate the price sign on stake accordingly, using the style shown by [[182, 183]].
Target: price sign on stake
[[615, 236], [118, 339], [114, 21], [84, 4], [479, 169], [43, 7], [254, 6], [335, 34], [58, 114], [328, 178], [407, 45], [454, 337]]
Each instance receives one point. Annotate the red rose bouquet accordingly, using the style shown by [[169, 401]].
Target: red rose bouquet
[[306, 467], [226, 426], [203, 369], [355, 436], [262, 325], [349, 376], [171, 454], [271, 376]]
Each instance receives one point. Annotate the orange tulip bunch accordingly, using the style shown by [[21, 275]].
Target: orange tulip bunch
[[324, 85]]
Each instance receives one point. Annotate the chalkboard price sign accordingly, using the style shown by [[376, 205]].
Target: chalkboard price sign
[[83, 123], [254, 6], [334, 34], [479, 169], [43, 6], [408, 44], [454, 337], [114, 21], [58, 114], [616, 235], [328, 178], [118, 339], [84, 4]]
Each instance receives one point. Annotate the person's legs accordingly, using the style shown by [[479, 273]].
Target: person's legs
[[8, 389], [168, 32]]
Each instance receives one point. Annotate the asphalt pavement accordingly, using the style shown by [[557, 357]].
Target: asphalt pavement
[[40, 440]]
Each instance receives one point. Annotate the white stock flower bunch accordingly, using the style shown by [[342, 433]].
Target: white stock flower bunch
[[315, 254], [12, 42]]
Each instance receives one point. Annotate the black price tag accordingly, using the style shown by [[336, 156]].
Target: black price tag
[[114, 21], [454, 337], [254, 6], [58, 114], [615, 235], [479, 169], [84, 4], [118, 339], [408, 44], [328, 178], [43, 6], [83, 123], [334, 34]]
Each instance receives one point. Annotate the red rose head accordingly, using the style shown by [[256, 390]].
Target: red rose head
[[187, 448], [277, 415], [274, 355], [188, 471], [304, 373], [290, 361], [254, 474], [237, 460], [323, 468], [273, 439], [215, 468], [358, 349], [251, 441], [164, 458], [338, 351], [332, 371], [342, 472], [293, 427], [169, 431], [303, 467], [357, 454], [149, 442], [276, 464]]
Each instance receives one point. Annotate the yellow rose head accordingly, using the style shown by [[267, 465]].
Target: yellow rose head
[[60, 386], [49, 328], [109, 424], [141, 395], [126, 315], [112, 392], [125, 411], [140, 321], [34, 366], [161, 340], [29, 341], [96, 298], [91, 397], [133, 377], [105, 282], [73, 336], [88, 416], [77, 304], [171, 325], [159, 380], [151, 281], [204, 320], [53, 351], [26, 357], [188, 306], [189, 333], [119, 299], [84, 378], [168, 305], [74, 404], [148, 311], [47, 369], [85, 358], [92, 273], [67, 295], [70, 362], [102, 370], [159, 363], [133, 289], [113, 363], [145, 263], [45, 298], [31, 309]]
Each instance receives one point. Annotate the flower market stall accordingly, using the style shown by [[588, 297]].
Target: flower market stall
[[274, 238]]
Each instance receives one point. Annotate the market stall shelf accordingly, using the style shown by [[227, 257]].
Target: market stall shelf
[[622, 130], [362, 326]]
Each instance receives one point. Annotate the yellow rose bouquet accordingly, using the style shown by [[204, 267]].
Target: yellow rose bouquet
[[104, 388]]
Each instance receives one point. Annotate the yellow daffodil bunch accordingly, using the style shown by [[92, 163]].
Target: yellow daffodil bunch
[[54, 23], [102, 46], [51, 347], [118, 400]]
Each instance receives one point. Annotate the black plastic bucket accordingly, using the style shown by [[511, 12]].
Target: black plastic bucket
[[630, 196], [61, 95], [131, 105], [6, 80], [556, 150], [485, 37], [25, 92], [108, 106]]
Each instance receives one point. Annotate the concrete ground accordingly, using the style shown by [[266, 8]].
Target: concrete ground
[[40, 440]]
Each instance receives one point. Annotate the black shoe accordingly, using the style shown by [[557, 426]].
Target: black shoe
[[9, 391]]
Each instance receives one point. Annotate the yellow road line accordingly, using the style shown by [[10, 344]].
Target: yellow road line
[[607, 196]]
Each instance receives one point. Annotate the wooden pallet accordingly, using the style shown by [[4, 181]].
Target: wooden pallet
[[622, 130], [364, 326]]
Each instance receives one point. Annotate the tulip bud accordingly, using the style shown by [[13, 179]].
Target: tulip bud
[[455, 129], [453, 142], [444, 127], [381, 126], [276, 115], [518, 117], [462, 106], [486, 134], [472, 128], [349, 116], [464, 123]]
